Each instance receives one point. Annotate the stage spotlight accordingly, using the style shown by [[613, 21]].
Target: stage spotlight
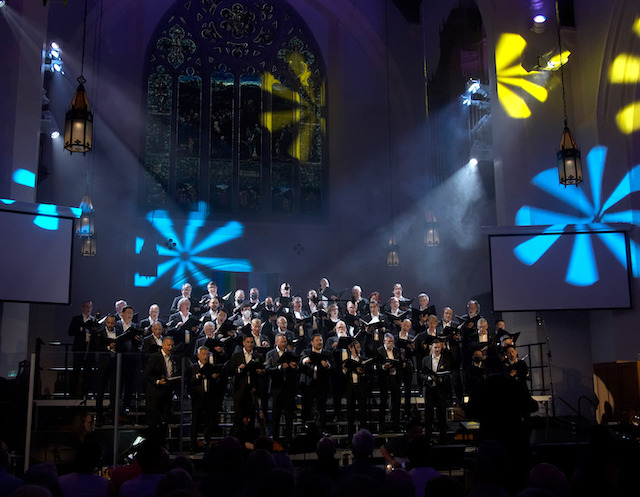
[[55, 134], [2, 3], [55, 45], [539, 23], [473, 162]]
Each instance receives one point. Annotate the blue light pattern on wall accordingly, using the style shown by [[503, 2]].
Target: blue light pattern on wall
[[188, 260], [593, 216]]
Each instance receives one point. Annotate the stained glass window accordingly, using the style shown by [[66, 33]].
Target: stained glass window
[[234, 112]]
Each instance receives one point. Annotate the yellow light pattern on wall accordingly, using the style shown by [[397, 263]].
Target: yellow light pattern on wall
[[628, 118], [625, 69], [513, 79], [304, 110]]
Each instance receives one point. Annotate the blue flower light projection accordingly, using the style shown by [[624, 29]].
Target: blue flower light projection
[[594, 218], [189, 258]]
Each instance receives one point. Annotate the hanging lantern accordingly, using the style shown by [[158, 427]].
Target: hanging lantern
[[432, 230], [78, 125], [569, 162], [393, 259]]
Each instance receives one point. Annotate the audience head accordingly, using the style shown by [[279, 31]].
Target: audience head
[[363, 444], [547, 476], [444, 486], [325, 448], [31, 491], [44, 475], [176, 482]]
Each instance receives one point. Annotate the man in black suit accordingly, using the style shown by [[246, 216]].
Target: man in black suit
[[81, 328], [153, 342], [389, 379], [185, 292], [246, 367], [212, 293], [447, 321], [130, 349], [208, 331], [406, 347], [357, 388], [315, 380], [158, 374], [435, 373], [154, 317], [340, 354], [375, 328], [105, 348], [283, 378], [205, 378], [183, 327], [362, 304]]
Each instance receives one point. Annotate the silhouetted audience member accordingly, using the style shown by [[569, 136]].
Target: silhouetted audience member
[[176, 480], [182, 462], [44, 475], [545, 475], [501, 406], [399, 483], [312, 484], [277, 482], [363, 445], [258, 463], [224, 465], [31, 491], [490, 470], [419, 454], [153, 463], [597, 470], [84, 482], [394, 451], [327, 463], [8, 482], [444, 486]]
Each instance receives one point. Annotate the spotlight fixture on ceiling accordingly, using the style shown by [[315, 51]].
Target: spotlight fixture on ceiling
[[538, 23], [568, 154], [78, 126]]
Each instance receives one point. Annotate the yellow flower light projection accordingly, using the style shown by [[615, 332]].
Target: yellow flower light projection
[[304, 111], [514, 82], [625, 69]]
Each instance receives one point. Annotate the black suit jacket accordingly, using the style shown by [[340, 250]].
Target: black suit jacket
[[131, 344], [441, 382], [280, 378], [149, 346], [155, 370], [243, 380], [145, 324], [78, 330], [195, 305], [382, 356]]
